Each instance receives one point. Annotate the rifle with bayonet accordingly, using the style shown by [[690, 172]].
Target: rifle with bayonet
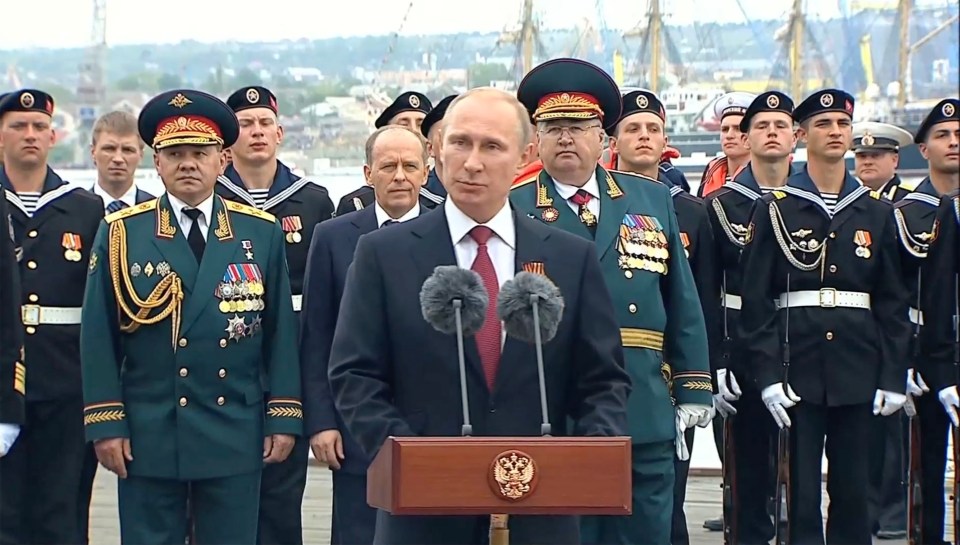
[[914, 488], [783, 441], [729, 466]]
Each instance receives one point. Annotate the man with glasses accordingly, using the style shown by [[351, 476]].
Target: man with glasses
[[632, 221]]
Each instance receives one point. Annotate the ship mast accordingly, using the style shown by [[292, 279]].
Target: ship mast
[[527, 36], [797, 86], [903, 63]]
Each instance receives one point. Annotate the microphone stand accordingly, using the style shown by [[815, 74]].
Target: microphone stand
[[466, 430]]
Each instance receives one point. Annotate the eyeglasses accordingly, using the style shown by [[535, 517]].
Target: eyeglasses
[[575, 131]]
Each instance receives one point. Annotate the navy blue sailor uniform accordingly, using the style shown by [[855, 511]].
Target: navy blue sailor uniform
[[299, 204], [40, 478], [836, 276]]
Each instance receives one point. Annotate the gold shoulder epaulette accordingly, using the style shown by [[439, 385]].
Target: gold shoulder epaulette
[[876, 195], [250, 211], [145, 206], [910, 185], [529, 180], [779, 194], [635, 175]]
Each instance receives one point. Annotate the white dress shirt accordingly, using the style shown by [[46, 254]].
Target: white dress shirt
[[502, 246], [383, 217], [129, 198], [567, 191], [206, 211]]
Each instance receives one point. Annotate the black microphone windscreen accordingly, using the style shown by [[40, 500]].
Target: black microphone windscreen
[[447, 284], [515, 308]]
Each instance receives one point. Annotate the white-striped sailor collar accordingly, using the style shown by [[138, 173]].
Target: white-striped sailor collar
[[800, 185], [285, 184], [53, 188], [925, 193]]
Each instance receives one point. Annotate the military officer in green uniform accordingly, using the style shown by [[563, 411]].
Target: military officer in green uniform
[[632, 220], [188, 298]]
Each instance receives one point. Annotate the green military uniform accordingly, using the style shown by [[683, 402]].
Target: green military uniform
[[172, 349], [642, 255]]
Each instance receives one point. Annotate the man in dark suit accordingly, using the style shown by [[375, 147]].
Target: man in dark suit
[[393, 375], [117, 151], [330, 256]]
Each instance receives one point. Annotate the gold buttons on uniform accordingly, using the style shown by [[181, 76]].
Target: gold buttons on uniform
[[628, 274], [31, 330], [222, 373], [223, 343], [31, 264], [632, 308], [183, 402], [184, 372], [221, 401], [182, 343], [833, 268], [829, 335], [32, 234], [33, 298]]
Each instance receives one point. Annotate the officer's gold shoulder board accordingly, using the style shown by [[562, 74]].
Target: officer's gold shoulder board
[[132, 211], [250, 211], [876, 195], [778, 194], [522, 183], [910, 185]]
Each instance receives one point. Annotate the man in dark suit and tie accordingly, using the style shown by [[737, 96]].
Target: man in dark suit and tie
[[392, 374], [117, 151], [396, 168]]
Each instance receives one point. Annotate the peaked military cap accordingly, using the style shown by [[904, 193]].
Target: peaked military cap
[[185, 116], [823, 101], [253, 97], [735, 103], [568, 88], [871, 136], [436, 114], [947, 109], [639, 101], [770, 101], [411, 101], [26, 100]]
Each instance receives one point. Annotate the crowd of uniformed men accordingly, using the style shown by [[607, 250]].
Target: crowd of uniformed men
[[168, 338]]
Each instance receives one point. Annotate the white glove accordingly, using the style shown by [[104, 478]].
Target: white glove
[[951, 403], [728, 392], [692, 414], [916, 387], [886, 403], [778, 401], [8, 435], [683, 454]]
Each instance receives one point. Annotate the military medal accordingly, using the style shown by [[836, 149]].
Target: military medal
[[862, 240], [224, 306], [72, 245], [236, 328], [163, 268], [135, 270], [587, 217], [248, 246], [291, 226], [550, 215]]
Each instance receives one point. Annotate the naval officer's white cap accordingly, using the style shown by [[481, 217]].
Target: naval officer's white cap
[[873, 136], [735, 103]]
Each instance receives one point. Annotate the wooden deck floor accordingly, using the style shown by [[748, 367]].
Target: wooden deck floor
[[703, 502]]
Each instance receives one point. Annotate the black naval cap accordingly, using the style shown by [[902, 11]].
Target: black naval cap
[[871, 136], [568, 88], [770, 101], [26, 100], [823, 101], [636, 102], [253, 97], [436, 114], [185, 116], [947, 109], [411, 101]]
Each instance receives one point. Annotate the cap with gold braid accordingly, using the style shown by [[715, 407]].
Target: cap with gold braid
[[187, 117], [570, 89], [26, 100]]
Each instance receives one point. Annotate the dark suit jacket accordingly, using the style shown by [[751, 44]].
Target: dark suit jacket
[[331, 253], [392, 374]]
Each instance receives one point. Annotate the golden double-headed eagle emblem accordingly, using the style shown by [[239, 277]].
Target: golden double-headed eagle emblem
[[513, 474]]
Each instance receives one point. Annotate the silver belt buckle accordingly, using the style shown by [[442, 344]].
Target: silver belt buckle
[[30, 315], [828, 298]]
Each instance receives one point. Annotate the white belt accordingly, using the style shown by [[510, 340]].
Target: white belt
[[916, 317], [731, 301], [825, 298], [297, 302], [32, 315]]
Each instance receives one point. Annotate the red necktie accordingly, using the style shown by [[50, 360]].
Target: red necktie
[[488, 338]]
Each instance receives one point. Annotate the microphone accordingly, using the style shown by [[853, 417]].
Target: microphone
[[454, 301], [531, 307]]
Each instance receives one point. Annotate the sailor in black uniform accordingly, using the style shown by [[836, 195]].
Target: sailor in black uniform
[[258, 179], [12, 369], [409, 110], [876, 148], [54, 225], [825, 321], [430, 129], [914, 215]]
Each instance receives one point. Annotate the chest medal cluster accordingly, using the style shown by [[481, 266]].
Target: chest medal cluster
[[642, 244]]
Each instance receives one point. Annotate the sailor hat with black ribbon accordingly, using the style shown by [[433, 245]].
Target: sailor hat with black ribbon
[[770, 101], [411, 101], [947, 109], [735, 103], [823, 101], [26, 100], [253, 97]]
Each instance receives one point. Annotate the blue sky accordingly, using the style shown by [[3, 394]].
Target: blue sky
[[149, 21]]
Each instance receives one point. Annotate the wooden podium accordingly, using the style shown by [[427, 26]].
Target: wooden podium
[[502, 476]]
